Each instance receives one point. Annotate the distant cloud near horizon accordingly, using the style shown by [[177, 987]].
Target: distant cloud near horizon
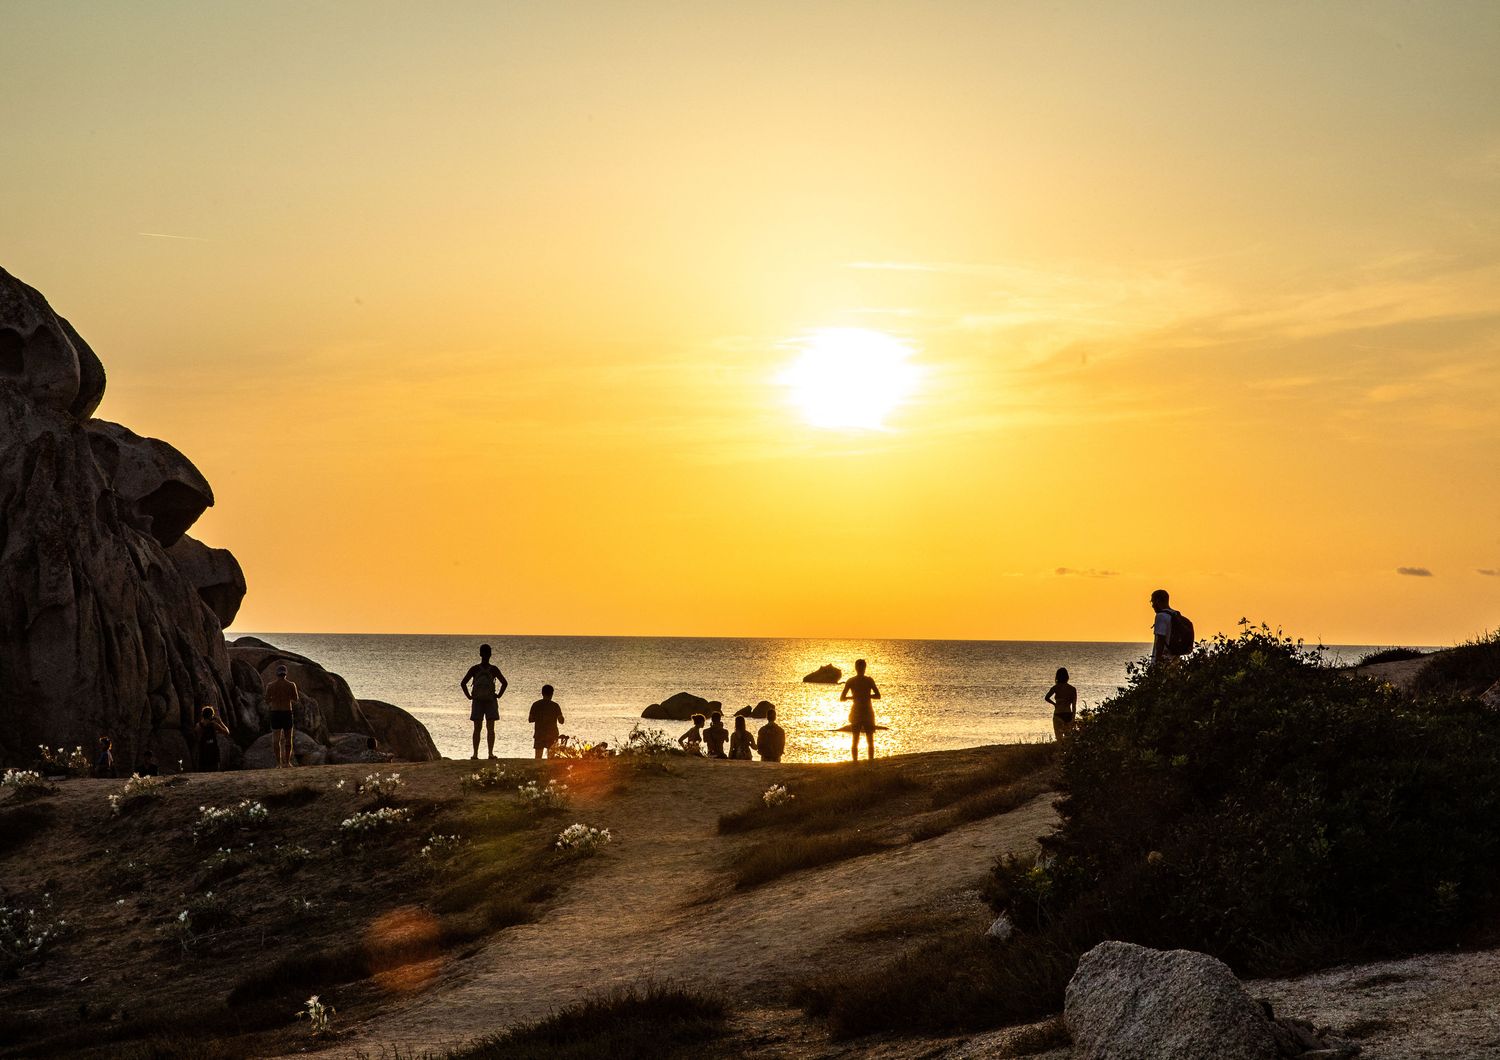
[[1415, 572], [1488, 572], [1088, 572]]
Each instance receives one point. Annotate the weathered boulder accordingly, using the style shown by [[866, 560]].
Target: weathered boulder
[[827, 674], [99, 631], [326, 705], [680, 706], [214, 572], [1127, 1002], [398, 732], [1491, 696], [91, 376], [305, 751], [37, 356], [345, 748], [164, 493]]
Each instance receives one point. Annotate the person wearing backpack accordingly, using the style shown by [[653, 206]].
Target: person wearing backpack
[[1172, 632]]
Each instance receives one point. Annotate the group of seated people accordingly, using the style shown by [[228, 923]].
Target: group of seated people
[[722, 743]]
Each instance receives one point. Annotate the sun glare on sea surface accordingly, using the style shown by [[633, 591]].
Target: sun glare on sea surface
[[850, 378]]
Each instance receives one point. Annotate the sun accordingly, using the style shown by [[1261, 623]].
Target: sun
[[850, 378]]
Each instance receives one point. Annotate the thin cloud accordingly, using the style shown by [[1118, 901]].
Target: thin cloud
[[1488, 572], [1414, 572], [1086, 572], [169, 235]]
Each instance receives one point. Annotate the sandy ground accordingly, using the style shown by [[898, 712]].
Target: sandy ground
[[658, 907]]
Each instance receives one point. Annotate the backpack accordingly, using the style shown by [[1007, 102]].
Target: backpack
[[1180, 641]]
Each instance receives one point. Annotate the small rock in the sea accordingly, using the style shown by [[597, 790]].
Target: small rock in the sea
[[1001, 929]]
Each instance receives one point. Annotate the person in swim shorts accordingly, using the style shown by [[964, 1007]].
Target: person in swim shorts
[[483, 686], [281, 694]]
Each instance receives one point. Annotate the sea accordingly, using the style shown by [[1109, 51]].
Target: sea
[[936, 694]]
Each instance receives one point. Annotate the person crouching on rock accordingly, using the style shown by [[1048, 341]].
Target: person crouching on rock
[[546, 715], [209, 726], [741, 743], [489, 685], [280, 695], [104, 761], [771, 739], [716, 735], [692, 740]]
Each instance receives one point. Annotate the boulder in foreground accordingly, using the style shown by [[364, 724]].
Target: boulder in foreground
[[398, 732], [827, 674], [1128, 1002]]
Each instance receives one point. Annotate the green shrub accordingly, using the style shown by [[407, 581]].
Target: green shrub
[[1468, 669], [1249, 795], [643, 1023], [1388, 655], [1247, 801]]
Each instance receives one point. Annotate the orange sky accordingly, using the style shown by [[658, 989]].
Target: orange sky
[[487, 311]]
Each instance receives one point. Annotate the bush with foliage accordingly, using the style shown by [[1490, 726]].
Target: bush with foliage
[[138, 791], [1258, 805], [383, 789], [357, 825], [60, 762], [1468, 669], [581, 840], [1249, 801], [1389, 655], [27, 931], [26, 783], [487, 779], [543, 798], [649, 743], [215, 821]]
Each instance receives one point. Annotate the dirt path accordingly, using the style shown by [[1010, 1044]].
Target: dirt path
[[657, 906]]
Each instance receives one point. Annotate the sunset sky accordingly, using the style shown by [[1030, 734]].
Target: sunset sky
[[491, 317]]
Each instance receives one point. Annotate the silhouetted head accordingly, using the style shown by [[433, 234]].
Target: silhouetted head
[[697, 721], [770, 713], [717, 716], [1062, 675], [281, 669], [859, 666], [370, 743], [484, 651], [1159, 599], [739, 724], [149, 756], [105, 742], [546, 691], [206, 713]]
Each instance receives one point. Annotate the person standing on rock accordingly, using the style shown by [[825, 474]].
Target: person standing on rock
[[771, 740], [483, 686], [863, 690], [281, 695]]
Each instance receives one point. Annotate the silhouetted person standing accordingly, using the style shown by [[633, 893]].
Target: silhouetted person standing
[[1172, 632], [280, 695], [546, 716], [741, 742], [864, 692], [209, 726], [488, 685], [771, 739], [1064, 700]]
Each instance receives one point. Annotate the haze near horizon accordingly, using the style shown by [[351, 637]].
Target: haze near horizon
[[944, 320]]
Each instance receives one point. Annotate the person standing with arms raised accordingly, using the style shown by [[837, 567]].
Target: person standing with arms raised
[[483, 686], [864, 692]]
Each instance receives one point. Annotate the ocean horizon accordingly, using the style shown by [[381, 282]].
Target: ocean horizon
[[936, 694]]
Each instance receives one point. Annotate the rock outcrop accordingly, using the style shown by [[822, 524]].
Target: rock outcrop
[[827, 674], [325, 704], [680, 706], [1127, 1002], [111, 617], [398, 732], [760, 710]]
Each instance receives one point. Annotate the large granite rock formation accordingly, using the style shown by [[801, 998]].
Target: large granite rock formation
[[111, 618]]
